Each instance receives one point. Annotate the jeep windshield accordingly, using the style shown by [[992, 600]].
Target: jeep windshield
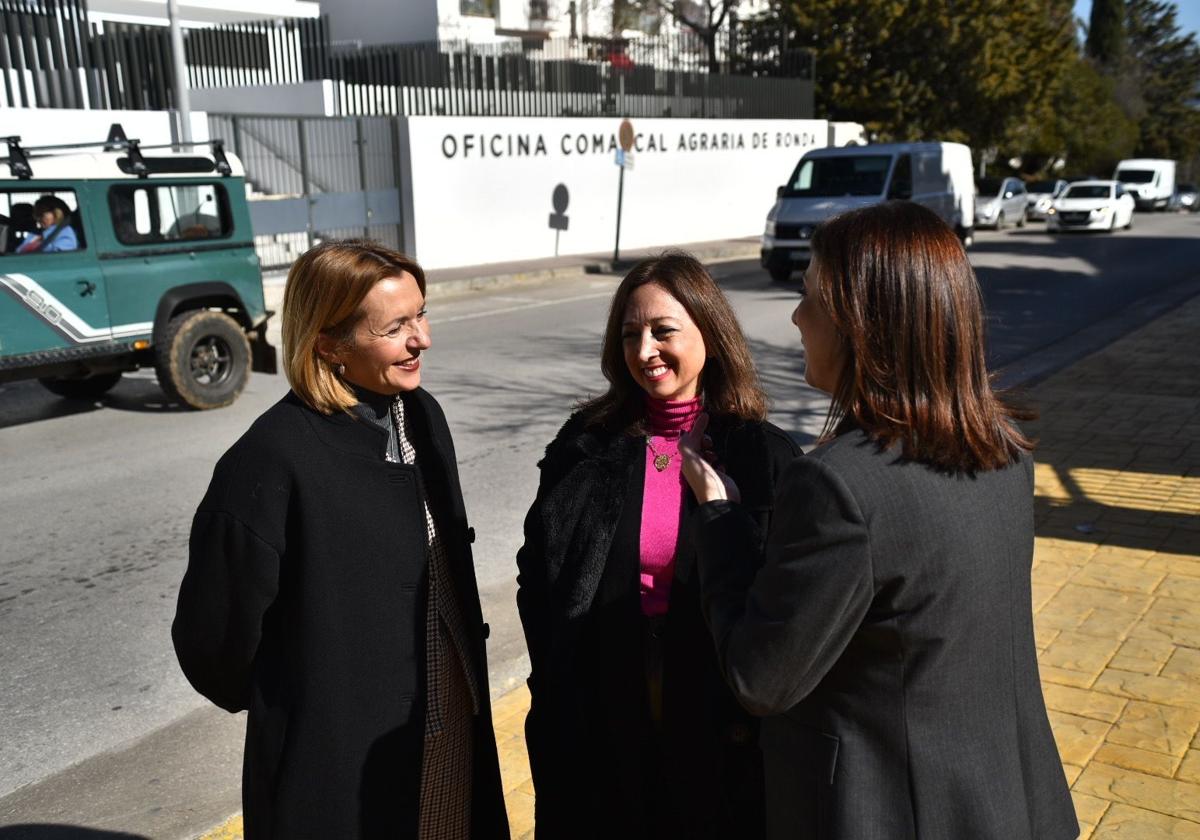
[[1135, 176], [831, 177]]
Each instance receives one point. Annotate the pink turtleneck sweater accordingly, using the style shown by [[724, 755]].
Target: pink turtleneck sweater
[[662, 500]]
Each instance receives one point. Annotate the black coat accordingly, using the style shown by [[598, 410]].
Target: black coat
[[598, 768], [304, 602], [888, 638]]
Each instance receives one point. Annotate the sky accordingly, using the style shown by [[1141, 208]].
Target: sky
[[1188, 17]]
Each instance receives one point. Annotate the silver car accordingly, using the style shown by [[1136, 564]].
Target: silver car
[[1042, 195], [1000, 202]]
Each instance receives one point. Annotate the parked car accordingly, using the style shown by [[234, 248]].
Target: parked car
[[999, 202], [1186, 198], [1150, 181], [1092, 205], [832, 180], [154, 265], [1041, 196]]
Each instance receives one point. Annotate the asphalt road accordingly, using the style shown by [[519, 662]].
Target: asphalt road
[[96, 500]]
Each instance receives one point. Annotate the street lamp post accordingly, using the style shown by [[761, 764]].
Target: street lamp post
[[183, 106]]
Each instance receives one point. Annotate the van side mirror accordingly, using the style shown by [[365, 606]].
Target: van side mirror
[[780, 190]]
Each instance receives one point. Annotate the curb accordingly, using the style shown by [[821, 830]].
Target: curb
[[1043, 362], [461, 281]]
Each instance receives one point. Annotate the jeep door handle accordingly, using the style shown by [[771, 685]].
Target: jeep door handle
[[86, 287]]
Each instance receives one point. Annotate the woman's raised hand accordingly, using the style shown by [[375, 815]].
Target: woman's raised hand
[[707, 482]]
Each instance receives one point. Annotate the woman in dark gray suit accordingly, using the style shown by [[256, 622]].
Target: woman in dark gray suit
[[888, 637]]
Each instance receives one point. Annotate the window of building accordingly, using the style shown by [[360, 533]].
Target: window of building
[[478, 8], [145, 213]]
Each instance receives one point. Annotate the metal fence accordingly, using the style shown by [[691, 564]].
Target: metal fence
[[314, 178], [51, 56], [670, 77]]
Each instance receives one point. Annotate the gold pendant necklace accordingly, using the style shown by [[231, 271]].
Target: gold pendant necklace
[[661, 460]]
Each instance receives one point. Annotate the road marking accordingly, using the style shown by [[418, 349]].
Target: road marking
[[505, 310]]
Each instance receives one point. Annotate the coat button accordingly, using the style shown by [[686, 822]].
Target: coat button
[[487, 630], [470, 535]]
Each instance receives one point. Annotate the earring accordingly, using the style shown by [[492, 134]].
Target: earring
[[339, 369]]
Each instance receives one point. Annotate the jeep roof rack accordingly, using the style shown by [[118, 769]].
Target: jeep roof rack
[[19, 166]]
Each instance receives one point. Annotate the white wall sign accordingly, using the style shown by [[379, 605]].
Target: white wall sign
[[483, 188]]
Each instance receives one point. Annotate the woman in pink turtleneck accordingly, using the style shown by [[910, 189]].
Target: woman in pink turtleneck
[[631, 732]]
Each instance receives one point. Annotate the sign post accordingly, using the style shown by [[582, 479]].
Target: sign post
[[625, 138]]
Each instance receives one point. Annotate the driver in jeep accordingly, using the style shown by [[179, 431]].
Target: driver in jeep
[[54, 218]]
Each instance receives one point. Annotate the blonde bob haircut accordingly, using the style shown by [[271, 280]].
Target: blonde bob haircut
[[324, 294]]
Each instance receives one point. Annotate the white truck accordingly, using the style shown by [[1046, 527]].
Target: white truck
[[1151, 181], [832, 180]]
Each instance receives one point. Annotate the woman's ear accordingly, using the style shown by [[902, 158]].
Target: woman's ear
[[327, 348]]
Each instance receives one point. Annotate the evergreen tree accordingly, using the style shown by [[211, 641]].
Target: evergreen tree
[[979, 71], [1106, 32], [1163, 65]]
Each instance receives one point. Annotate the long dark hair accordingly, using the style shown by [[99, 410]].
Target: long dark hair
[[729, 380], [897, 284]]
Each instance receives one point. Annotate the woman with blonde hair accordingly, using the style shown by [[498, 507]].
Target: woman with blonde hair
[[887, 638], [330, 588]]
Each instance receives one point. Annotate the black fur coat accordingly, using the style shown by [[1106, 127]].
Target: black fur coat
[[601, 768]]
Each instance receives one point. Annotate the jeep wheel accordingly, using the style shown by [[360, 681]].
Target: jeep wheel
[[203, 359], [86, 388]]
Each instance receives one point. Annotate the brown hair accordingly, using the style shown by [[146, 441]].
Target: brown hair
[[729, 381], [324, 293], [907, 308]]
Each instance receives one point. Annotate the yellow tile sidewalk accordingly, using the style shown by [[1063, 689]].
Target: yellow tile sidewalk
[[1116, 589], [1117, 578]]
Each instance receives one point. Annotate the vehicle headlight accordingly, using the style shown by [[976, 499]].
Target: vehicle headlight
[[1051, 212], [770, 229]]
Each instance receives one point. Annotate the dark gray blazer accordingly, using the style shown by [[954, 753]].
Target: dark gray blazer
[[888, 641]]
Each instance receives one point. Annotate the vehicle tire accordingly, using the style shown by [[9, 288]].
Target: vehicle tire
[[780, 274], [1021, 220], [1129, 224], [1000, 221], [85, 388], [202, 359]]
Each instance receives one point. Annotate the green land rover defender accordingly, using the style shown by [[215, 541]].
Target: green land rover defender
[[129, 256]]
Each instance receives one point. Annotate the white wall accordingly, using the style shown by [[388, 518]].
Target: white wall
[[48, 126], [481, 187], [382, 21], [309, 99]]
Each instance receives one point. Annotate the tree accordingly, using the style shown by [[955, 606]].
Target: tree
[[1085, 128], [1106, 32], [1164, 66], [705, 18], [979, 71]]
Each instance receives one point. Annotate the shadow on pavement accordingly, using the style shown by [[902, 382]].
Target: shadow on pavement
[[29, 402], [1118, 458], [47, 831]]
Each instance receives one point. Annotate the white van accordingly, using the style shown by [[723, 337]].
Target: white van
[[832, 180], [1150, 181]]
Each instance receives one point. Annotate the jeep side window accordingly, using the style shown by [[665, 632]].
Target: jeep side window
[[41, 222], [165, 213]]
